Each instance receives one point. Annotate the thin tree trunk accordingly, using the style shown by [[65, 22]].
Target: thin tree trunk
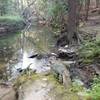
[[97, 3], [87, 4], [22, 5]]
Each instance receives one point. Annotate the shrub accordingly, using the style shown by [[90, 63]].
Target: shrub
[[56, 11], [9, 19], [52, 11], [95, 90], [90, 51]]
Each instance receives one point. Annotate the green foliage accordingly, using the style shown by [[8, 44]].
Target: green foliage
[[10, 18], [3, 6], [56, 12], [25, 78], [90, 94], [56, 8], [76, 87], [90, 51], [6, 7], [52, 11], [95, 91], [60, 92], [12, 21]]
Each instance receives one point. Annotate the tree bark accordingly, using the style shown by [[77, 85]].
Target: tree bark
[[87, 4], [73, 21], [97, 3]]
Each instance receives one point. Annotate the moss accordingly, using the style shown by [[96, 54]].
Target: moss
[[60, 92], [76, 87], [25, 78]]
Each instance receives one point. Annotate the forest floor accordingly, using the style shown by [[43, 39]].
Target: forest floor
[[91, 31], [92, 26]]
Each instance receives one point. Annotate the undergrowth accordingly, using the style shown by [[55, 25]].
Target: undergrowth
[[16, 21], [90, 51], [94, 92], [10, 18]]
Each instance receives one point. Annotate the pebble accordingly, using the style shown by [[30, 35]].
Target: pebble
[[44, 79]]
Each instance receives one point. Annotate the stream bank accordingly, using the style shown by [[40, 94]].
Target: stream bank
[[11, 24]]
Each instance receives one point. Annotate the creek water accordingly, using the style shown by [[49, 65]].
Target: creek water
[[16, 48]]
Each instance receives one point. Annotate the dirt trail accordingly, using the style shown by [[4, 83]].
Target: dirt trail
[[92, 25]]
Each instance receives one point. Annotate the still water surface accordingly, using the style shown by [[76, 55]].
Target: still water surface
[[16, 48]]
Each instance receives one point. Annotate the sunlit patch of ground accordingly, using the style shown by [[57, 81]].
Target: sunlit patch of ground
[[45, 88]]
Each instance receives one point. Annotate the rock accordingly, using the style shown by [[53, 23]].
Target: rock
[[66, 46], [69, 63], [5, 48], [53, 54], [78, 82], [61, 73], [44, 79], [7, 93]]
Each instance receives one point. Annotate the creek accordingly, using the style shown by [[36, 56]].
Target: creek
[[16, 49]]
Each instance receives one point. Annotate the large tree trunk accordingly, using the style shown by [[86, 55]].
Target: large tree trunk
[[73, 21]]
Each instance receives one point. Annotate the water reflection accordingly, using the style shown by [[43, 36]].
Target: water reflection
[[8, 46], [16, 48]]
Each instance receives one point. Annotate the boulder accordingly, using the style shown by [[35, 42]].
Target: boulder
[[7, 93], [60, 71]]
